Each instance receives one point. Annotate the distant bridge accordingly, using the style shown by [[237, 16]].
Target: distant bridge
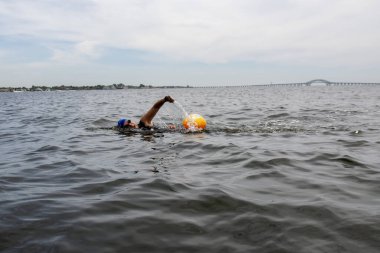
[[318, 81], [322, 81], [309, 83]]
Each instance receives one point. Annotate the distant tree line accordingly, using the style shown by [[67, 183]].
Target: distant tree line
[[87, 87]]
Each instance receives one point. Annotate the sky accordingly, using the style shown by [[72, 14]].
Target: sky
[[188, 42]]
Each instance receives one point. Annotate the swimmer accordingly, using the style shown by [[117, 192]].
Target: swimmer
[[146, 120]]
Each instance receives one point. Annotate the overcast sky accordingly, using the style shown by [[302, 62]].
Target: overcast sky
[[180, 42]]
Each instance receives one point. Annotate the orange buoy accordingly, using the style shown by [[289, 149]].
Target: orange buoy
[[194, 121]]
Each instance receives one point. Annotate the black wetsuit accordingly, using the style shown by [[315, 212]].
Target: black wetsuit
[[143, 126]]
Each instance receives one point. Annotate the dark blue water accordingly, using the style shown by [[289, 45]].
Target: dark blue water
[[279, 169]]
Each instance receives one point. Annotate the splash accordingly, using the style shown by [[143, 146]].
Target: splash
[[191, 122], [179, 106], [162, 122]]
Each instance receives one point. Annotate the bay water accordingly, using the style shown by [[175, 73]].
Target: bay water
[[278, 169]]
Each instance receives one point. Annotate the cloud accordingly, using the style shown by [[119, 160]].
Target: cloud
[[77, 53], [335, 32]]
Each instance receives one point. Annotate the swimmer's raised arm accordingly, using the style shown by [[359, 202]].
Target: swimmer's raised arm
[[147, 118]]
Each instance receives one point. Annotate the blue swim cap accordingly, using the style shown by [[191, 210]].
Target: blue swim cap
[[121, 122]]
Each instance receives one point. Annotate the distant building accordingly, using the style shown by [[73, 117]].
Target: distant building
[[119, 86]]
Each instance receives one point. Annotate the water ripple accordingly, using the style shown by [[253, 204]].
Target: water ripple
[[270, 174]]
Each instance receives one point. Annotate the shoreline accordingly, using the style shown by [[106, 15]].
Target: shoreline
[[95, 87]]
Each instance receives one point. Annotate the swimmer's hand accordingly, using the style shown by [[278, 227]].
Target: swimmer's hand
[[171, 126], [169, 99]]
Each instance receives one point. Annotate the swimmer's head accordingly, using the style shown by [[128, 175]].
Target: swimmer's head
[[126, 123]]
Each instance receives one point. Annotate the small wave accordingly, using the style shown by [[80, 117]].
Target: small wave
[[350, 144], [47, 148], [160, 185], [348, 161], [270, 174], [103, 187], [278, 115]]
